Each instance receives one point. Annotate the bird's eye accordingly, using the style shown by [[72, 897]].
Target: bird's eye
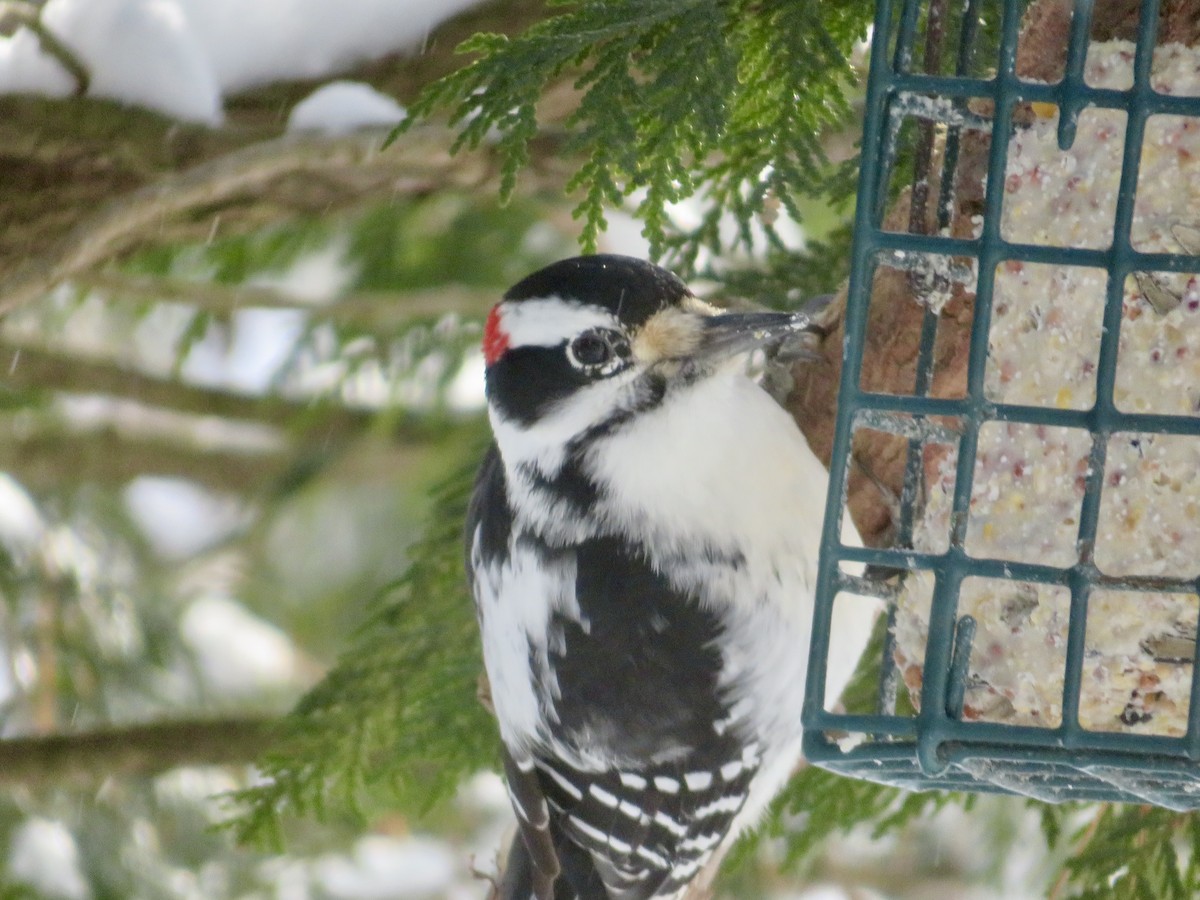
[[590, 350]]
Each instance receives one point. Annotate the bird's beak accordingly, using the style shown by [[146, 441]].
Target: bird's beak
[[729, 334]]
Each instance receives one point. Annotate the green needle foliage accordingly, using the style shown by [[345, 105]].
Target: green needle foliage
[[396, 722], [728, 98], [1137, 852]]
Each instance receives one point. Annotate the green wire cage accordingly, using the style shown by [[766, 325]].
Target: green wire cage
[[1074, 411]]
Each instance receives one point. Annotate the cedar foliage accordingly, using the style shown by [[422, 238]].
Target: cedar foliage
[[726, 100], [397, 716]]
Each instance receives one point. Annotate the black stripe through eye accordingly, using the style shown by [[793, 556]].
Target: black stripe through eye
[[528, 381]]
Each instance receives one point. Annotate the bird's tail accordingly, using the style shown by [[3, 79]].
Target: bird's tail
[[517, 880], [521, 880]]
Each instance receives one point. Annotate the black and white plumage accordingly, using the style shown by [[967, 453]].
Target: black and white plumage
[[642, 549]]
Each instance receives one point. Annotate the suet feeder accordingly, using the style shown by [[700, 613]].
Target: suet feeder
[[1028, 225]]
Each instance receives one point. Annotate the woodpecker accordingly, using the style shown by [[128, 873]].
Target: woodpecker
[[641, 547]]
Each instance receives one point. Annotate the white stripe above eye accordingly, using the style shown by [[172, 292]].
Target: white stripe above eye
[[550, 321]]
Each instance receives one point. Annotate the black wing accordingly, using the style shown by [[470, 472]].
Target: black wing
[[532, 865], [488, 512], [649, 773], [644, 834], [532, 862]]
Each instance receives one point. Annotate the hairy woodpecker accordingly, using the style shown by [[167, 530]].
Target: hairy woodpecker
[[641, 547]]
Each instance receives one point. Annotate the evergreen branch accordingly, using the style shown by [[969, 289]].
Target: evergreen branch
[[788, 279], [1136, 851], [396, 720], [132, 750], [731, 95], [66, 160]]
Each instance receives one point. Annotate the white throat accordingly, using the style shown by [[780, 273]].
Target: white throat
[[543, 445]]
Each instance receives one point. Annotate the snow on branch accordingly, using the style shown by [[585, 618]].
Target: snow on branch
[[27, 14]]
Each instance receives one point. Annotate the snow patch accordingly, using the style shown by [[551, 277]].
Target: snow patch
[[268, 40], [138, 51], [179, 517], [342, 107], [386, 868], [25, 69], [465, 391], [21, 525], [180, 57], [250, 357], [318, 276], [43, 855], [238, 654]]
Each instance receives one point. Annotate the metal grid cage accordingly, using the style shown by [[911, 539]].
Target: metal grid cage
[[977, 88]]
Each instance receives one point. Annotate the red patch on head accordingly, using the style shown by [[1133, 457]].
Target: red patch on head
[[495, 338]]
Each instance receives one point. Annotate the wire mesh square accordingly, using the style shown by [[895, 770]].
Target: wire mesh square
[[1033, 215]]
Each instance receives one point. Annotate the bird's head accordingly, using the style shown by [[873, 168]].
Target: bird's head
[[584, 345]]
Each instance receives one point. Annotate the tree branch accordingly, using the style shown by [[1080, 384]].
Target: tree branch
[[29, 15], [27, 367], [165, 427], [53, 458], [352, 168], [49, 458], [135, 750], [87, 164], [380, 312]]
